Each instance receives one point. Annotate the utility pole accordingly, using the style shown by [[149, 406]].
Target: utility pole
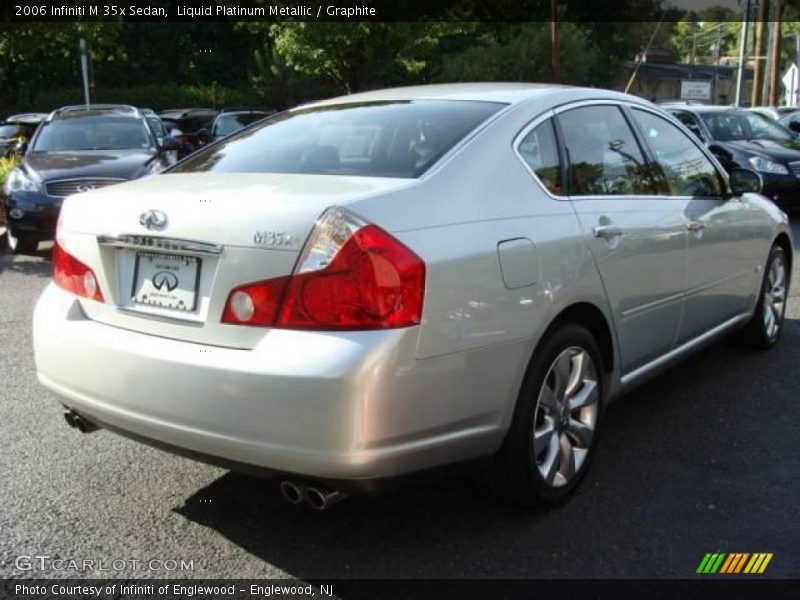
[[555, 47], [757, 98], [84, 71], [742, 54], [718, 56], [775, 54]]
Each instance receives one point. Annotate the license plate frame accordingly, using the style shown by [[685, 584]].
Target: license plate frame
[[158, 285]]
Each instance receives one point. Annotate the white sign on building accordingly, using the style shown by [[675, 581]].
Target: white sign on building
[[691, 89]]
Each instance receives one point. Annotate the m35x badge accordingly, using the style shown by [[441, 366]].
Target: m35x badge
[[273, 239]]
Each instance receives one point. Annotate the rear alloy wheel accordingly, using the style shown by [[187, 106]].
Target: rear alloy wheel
[[20, 244], [554, 431], [565, 417], [764, 329]]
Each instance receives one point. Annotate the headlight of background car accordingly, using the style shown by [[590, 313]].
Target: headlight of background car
[[18, 181], [767, 166]]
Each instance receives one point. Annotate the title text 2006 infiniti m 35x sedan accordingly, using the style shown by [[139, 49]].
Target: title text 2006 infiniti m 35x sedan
[[376, 285]]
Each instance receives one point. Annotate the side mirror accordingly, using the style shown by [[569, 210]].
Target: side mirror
[[745, 181], [794, 126], [170, 144]]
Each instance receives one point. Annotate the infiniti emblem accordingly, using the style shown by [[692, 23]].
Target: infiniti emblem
[[84, 187], [165, 279], [153, 219]]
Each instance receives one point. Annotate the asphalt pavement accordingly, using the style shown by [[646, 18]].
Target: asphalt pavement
[[705, 458]]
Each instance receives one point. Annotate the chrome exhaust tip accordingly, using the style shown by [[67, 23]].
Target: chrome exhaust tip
[[292, 492], [321, 499], [76, 421]]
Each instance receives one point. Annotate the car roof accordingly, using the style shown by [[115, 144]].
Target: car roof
[[29, 118], [94, 110], [507, 93]]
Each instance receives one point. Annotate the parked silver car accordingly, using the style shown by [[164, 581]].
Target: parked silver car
[[377, 285]]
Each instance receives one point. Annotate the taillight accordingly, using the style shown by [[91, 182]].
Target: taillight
[[350, 275], [74, 276]]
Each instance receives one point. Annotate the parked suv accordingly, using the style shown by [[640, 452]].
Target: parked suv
[[189, 126], [76, 149], [382, 284]]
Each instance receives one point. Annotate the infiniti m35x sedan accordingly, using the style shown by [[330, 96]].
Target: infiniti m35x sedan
[[370, 287]]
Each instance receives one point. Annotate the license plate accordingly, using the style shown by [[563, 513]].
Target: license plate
[[166, 280]]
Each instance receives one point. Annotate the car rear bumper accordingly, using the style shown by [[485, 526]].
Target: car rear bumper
[[350, 406]]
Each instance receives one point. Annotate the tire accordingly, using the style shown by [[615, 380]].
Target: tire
[[20, 244], [532, 470], [764, 329]]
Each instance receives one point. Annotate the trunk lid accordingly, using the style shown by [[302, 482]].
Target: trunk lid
[[223, 230]]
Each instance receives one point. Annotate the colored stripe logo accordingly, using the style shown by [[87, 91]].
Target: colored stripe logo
[[734, 563]]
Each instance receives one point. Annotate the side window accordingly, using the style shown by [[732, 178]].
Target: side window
[[604, 157], [538, 149], [690, 122], [685, 168]]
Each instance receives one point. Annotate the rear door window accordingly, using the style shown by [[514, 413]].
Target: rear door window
[[604, 158]]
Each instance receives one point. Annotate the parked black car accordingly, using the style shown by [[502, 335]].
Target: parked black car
[[188, 126], [232, 119], [743, 138], [76, 149], [18, 129]]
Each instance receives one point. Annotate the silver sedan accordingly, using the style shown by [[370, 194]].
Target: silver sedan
[[375, 286]]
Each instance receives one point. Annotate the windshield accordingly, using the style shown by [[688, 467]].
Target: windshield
[[92, 133], [734, 126], [12, 130], [390, 139], [231, 123]]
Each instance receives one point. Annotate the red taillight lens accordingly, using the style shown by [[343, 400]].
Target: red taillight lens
[[373, 282], [74, 276], [351, 275], [254, 304]]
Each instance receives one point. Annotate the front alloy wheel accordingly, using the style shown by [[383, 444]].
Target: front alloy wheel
[[565, 416], [764, 329]]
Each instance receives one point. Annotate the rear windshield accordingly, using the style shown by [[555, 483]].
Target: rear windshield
[[389, 139], [93, 133]]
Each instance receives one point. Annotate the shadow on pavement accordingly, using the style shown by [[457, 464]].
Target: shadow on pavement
[[682, 469], [37, 264]]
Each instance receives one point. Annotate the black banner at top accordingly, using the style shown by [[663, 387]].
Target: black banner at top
[[23, 11]]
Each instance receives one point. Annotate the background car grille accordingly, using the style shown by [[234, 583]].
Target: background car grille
[[795, 167], [66, 187]]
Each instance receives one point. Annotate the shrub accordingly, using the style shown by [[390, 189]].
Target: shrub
[[157, 97], [6, 164]]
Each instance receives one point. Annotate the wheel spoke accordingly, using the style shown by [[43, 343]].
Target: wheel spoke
[[562, 370], [542, 436], [586, 396], [577, 373], [567, 458], [552, 462], [580, 432]]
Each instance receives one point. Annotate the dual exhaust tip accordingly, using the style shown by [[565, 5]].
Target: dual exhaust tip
[[316, 498], [76, 421]]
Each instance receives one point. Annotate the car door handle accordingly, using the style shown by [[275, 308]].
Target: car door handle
[[606, 231], [695, 226]]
